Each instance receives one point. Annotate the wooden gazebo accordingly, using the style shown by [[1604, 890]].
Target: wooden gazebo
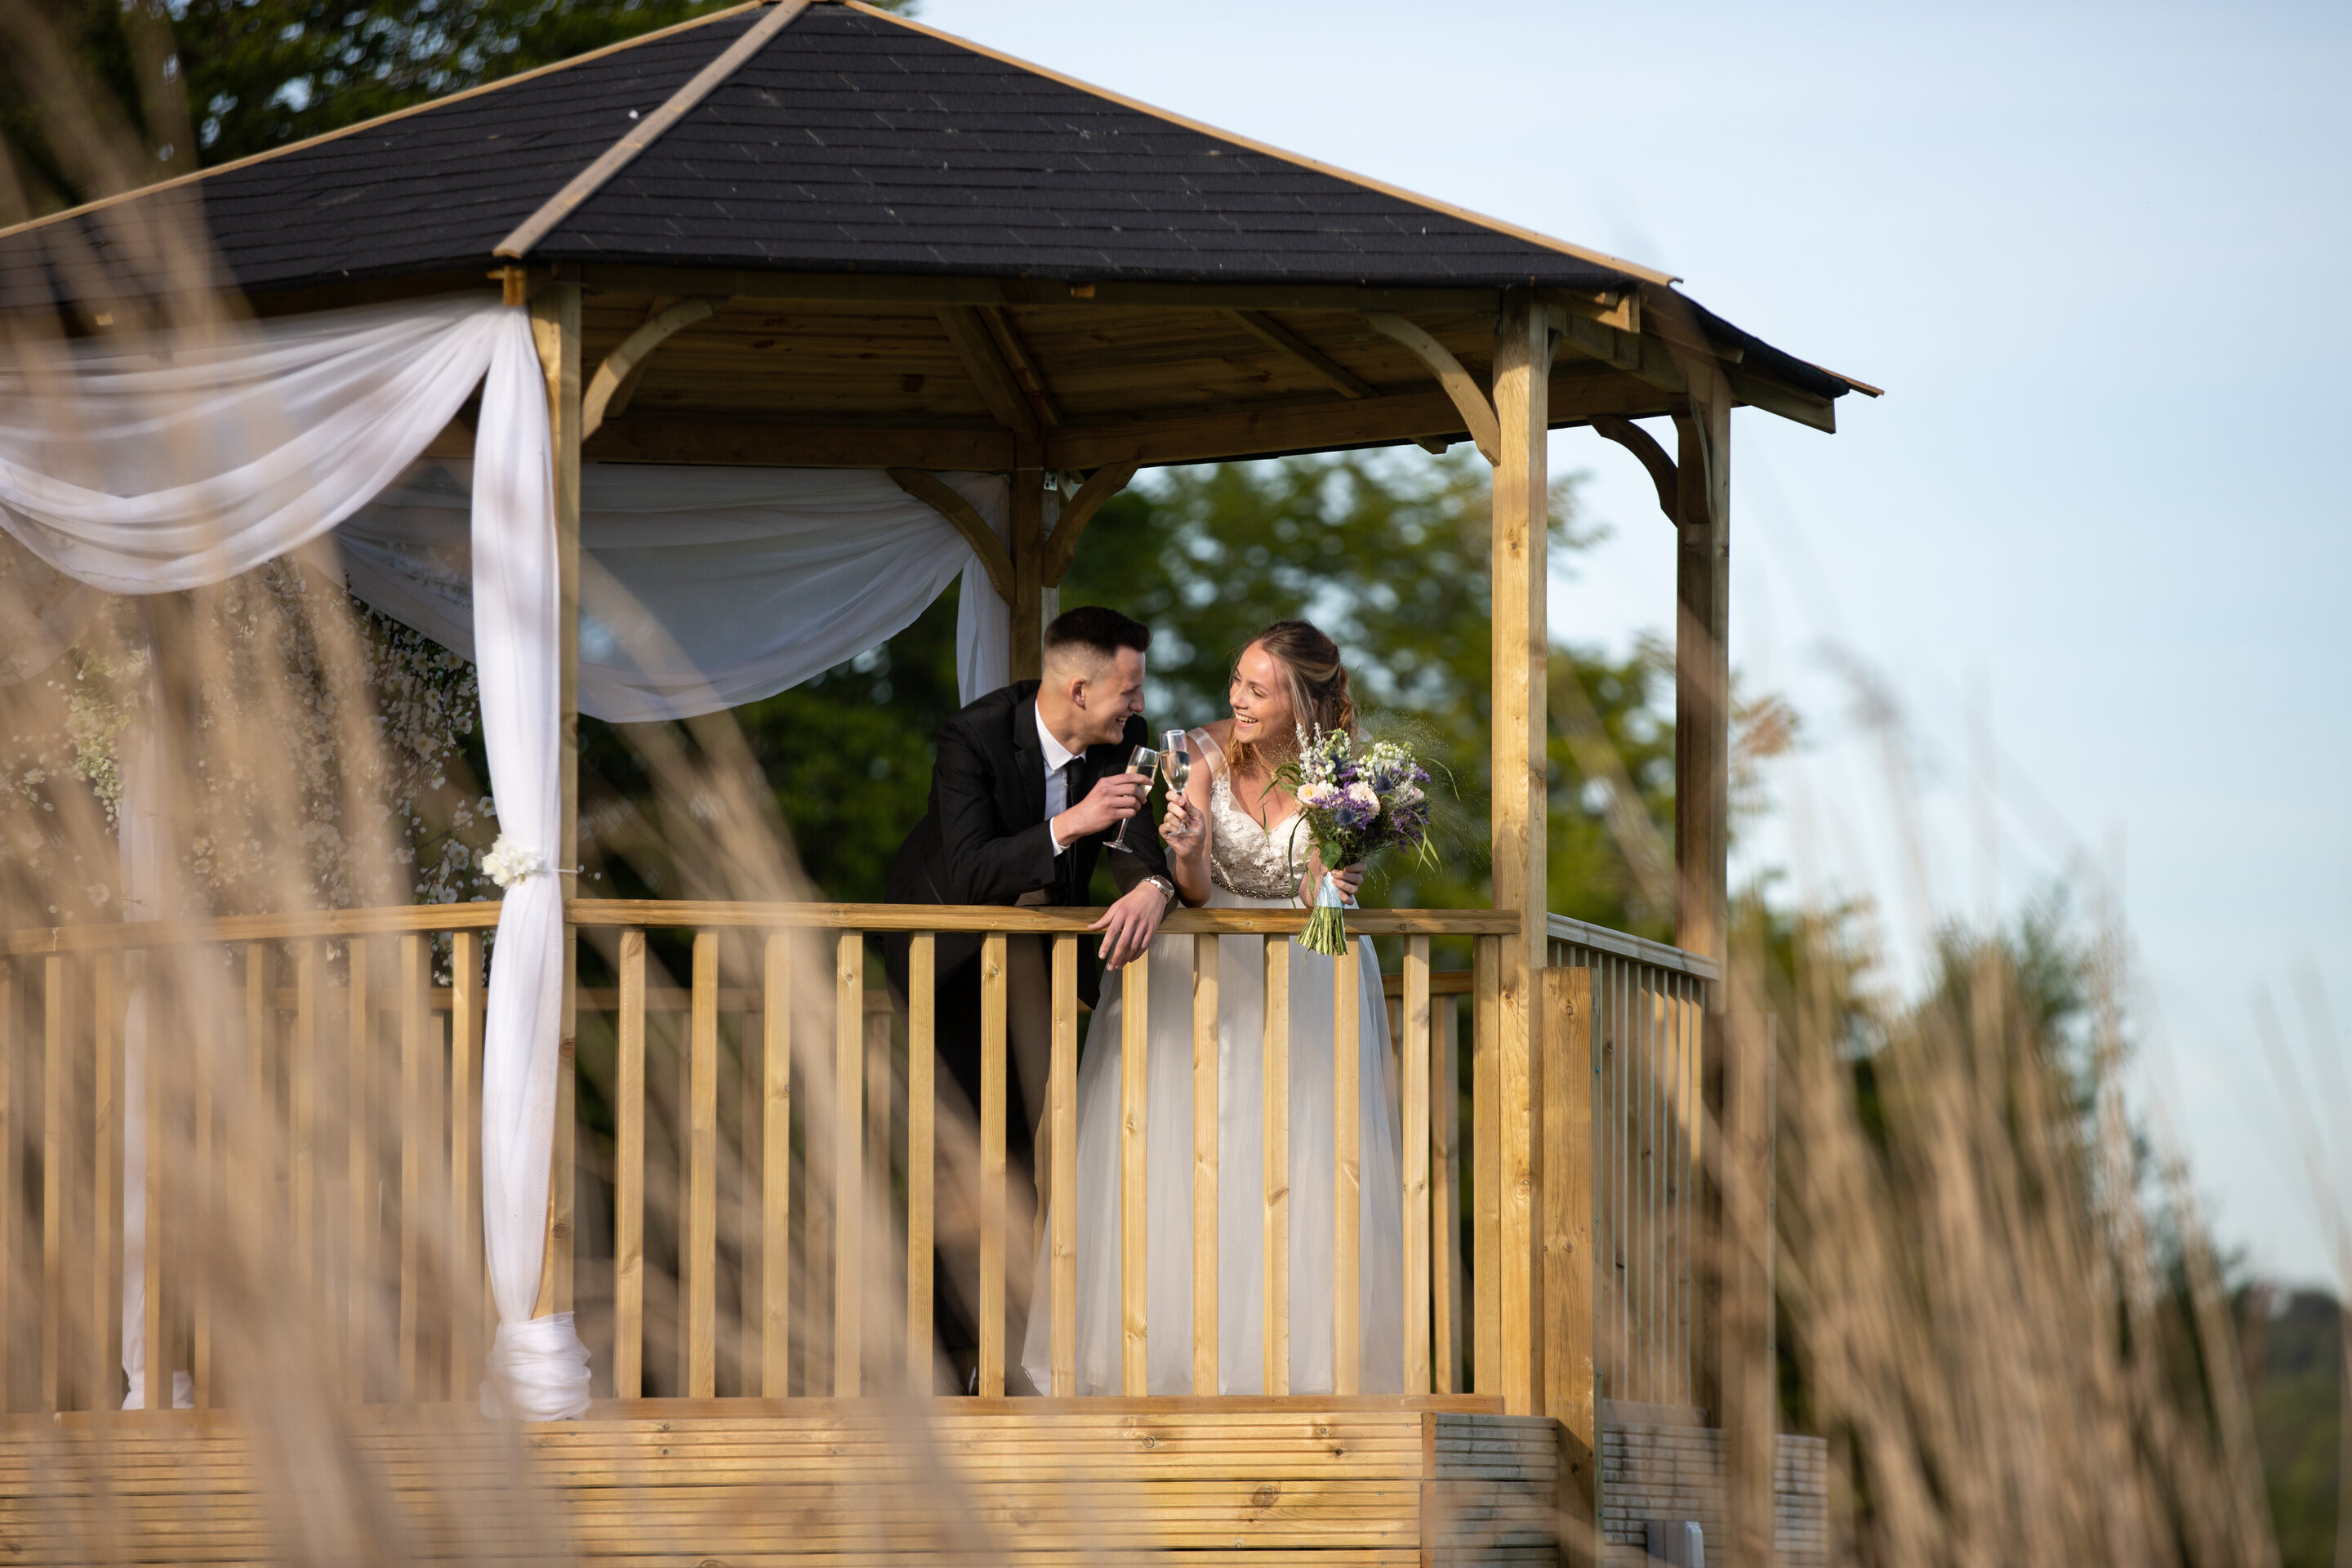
[[814, 234]]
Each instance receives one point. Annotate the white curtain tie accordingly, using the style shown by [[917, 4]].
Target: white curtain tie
[[538, 1372]]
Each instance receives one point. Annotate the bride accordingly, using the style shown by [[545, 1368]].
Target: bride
[[1236, 841]]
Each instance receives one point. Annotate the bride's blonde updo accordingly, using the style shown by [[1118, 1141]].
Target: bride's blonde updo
[[1319, 691]]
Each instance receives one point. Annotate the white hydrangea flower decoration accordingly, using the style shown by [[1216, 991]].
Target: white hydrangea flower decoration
[[508, 862]]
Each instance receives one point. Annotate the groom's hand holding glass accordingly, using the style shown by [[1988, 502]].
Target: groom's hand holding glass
[[1128, 926]]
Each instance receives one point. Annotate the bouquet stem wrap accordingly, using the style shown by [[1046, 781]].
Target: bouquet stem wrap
[[1327, 928]]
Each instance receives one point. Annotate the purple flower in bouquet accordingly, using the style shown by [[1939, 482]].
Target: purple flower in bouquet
[[1355, 805]]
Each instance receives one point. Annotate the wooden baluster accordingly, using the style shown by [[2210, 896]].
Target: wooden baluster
[[749, 1202], [1347, 1172], [302, 1111], [466, 1283], [1413, 1040], [1277, 1164], [1135, 1065], [1445, 1192], [1204, 1164], [217, 1184], [702, 1173], [849, 1171], [1063, 1288], [155, 1067], [10, 1053], [416, 1002], [880, 1091], [991, 1164], [57, 1099], [1485, 1179], [776, 1166], [629, 1173], [359, 1195], [922, 1003], [104, 1280]]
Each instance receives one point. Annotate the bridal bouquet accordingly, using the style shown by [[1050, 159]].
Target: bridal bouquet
[[1355, 804]]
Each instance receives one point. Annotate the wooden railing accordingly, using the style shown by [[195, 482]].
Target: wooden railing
[[1646, 1007], [761, 1145]]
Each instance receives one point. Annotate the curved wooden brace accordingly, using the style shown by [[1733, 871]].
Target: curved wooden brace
[[632, 353], [1477, 414], [1645, 446], [1078, 511], [942, 498]]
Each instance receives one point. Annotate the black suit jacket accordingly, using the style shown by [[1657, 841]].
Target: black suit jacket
[[984, 839]]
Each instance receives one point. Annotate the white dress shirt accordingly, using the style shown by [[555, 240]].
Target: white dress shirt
[[1058, 758]]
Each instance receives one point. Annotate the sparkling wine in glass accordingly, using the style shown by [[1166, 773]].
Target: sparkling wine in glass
[[1175, 763], [1139, 761]]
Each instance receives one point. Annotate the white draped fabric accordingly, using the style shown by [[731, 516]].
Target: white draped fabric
[[148, 465], [700, 588]]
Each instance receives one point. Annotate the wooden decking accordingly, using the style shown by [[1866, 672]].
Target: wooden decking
[[736, 1482]]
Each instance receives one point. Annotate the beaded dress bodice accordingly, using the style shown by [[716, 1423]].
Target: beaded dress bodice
[[1247, 860]]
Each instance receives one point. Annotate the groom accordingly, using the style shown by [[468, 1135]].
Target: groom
[[1029, 784]]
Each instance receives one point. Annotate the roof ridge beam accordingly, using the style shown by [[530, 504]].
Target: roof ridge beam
[[646, 131]]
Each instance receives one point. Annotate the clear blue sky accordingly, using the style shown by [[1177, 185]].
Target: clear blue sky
[[2096, 255]]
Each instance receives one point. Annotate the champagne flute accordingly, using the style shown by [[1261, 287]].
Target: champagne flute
[[1141, 761], [1175, 763]]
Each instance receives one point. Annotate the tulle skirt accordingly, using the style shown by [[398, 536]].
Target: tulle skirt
[[1241, 1181]]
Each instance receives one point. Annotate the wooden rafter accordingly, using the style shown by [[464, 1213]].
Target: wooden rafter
[[1476, 412], [984, 362], [938, 494], [646, 131], [616, 378], [1645, 446], [1275, 335], [1078, 511], [1022, 364]]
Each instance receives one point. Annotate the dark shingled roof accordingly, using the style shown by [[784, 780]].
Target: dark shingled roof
[[851, 143]]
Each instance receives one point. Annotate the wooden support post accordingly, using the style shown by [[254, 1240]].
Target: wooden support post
[[1062, 1328], [922, 1164], [1521, 652], [1205, 1214], [555, 327], [1745, 1242], [1277, 1147], [1702, 662], [702, 1173], [1029, 558], [629, 1173], [1570, 1393], [776, 1158], [1134, 1173], [992, 1164]]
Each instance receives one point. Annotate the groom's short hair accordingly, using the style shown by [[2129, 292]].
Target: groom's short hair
[[1095, 630]]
